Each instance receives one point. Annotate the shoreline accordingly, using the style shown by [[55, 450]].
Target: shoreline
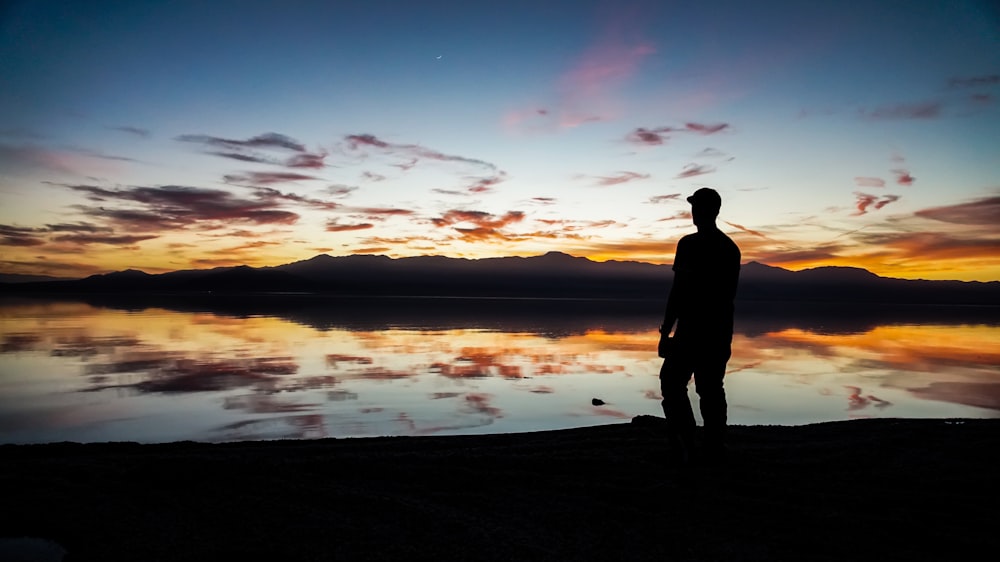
[[874, 488]]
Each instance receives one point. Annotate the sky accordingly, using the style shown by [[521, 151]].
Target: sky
[[186, 135]]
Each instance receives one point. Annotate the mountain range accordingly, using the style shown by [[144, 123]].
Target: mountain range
[[553, 275]]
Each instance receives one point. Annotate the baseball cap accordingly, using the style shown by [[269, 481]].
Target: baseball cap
[[706, 196]]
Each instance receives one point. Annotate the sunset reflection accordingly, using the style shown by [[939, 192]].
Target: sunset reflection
[[72, 371]]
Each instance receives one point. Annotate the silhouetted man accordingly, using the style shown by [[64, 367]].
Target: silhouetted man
[[706, 272]]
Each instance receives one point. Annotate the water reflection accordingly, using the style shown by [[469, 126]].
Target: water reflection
[[119, 371]]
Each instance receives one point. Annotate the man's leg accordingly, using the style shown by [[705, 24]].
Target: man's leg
[[674, 376], [709, 373]]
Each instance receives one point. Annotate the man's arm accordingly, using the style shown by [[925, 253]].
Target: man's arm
[[670, 314], [676, 290]]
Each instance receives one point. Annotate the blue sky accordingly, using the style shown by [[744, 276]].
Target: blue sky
[[167, 135]]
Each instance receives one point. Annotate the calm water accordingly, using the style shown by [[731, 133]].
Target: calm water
[[212, 369]]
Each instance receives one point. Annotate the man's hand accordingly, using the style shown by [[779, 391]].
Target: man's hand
[[665, 346]]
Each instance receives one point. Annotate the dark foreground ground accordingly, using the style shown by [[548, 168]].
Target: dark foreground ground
[[858, 490]]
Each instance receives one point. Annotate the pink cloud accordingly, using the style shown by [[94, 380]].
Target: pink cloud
[[588, 91], [886, 200], [706, 129], [485, 185], [653, 137], [869, 182], [657, 199], [307, 160], [692, 170], [864, 201], [903, 177], [622, 177], [28, 158]]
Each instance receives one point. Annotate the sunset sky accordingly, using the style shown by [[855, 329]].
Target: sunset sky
[[175, 135]]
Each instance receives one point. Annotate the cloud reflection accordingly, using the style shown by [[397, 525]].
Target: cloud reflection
[[280, 379]]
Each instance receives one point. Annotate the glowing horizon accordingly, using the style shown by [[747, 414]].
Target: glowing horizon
[[165, 138]]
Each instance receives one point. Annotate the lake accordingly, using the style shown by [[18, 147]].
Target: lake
[[222, 368]]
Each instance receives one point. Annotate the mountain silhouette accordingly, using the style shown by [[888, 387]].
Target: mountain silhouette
[[552, 275]]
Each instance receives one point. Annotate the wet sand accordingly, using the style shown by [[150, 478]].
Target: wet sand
[[855, 490]]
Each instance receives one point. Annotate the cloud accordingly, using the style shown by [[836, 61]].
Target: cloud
[[265, 141], [247, 150], [654, 136], [174, 207], [77, 227], [903, 177], [372, 176], [112, 240], [706, 129], [340, 190], [371, 251], [710, 152], [334, 226], [650, 137], [984, 211], [306, 160], [405, 166], [449, 191], [622, 177], [982, 99], [861, 181], [864, 201], [485, 185], [680, 215], [20, 236], [413, 151], [937, 246], [657, 199], [478, 218], [588, 91], [267, 193], [266, 178], [30, 158], [791, 257], [747, 230], [692, 170], [975, 81], [134, 131], [886, 200], [380, 211], [256, 159], [485, 226], [252, 245], [922, 110], [81, 233]]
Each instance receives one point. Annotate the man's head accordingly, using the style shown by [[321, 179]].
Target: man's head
[[705, 205]]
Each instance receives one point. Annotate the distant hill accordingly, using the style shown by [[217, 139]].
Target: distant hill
[[553, 275], [19, 278]]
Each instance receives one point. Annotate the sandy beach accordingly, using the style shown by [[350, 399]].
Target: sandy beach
[[865, 489]]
